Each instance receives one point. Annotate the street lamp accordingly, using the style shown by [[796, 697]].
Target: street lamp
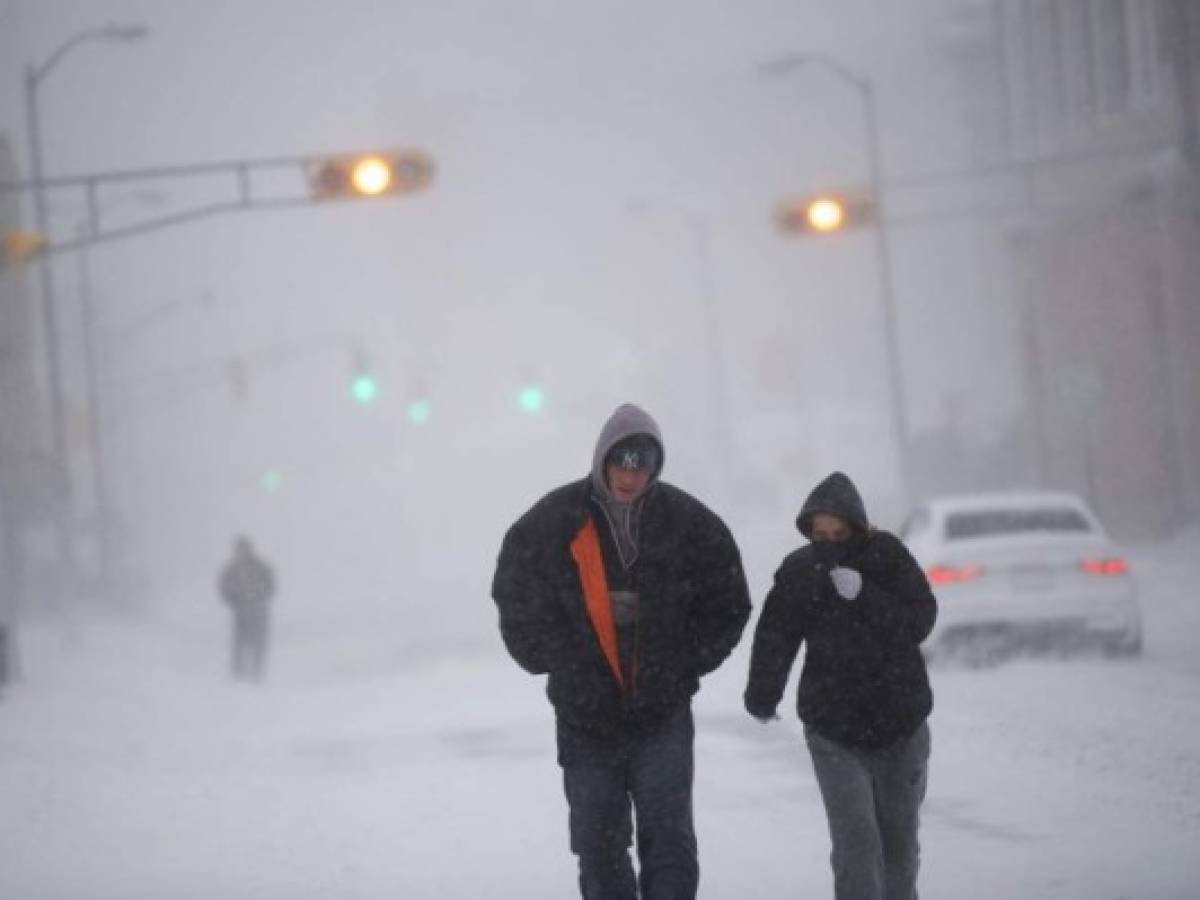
[[883, 255], [826, 214], [34, 76]]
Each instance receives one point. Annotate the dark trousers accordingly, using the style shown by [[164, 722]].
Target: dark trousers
[[608, 782], [872, 800], [248, 653]]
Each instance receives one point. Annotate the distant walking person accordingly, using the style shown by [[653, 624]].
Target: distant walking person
[[626, 590], [247, 585], [860, 603]]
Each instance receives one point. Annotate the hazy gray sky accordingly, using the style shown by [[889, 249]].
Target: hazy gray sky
[[578, 148]]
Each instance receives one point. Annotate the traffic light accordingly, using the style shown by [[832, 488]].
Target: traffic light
[[531, 399], [22, 246], [419, 411], [271, 482], [826, 213], [364, 387], [360, 176]]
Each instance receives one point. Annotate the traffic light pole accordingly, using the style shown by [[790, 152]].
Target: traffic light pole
[[62, 482], [102, 510], [413, 171], [45, 274], [61, 469], [241, 171]]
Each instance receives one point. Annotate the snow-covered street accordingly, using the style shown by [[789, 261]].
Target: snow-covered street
[[130, 768], [331, 334]]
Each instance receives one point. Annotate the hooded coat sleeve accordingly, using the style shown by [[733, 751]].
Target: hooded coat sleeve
[[777, 639], [536, 631], [899, 601], [721, 600]]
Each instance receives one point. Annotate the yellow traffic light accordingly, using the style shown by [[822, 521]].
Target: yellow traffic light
[[369, 175], [825, 213], [22, 246]]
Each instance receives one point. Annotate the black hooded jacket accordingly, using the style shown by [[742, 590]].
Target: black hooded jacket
[[864, 682], [693, 605]]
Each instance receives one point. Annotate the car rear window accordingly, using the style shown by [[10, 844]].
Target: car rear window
[[994, 522]]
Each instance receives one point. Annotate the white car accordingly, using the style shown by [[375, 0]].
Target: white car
[[1020, 571]]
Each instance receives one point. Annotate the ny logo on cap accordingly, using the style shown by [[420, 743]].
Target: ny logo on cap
[[632, 459], [636, 452]]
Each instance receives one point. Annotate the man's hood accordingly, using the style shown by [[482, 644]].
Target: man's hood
[[626, 421], [837, 496]]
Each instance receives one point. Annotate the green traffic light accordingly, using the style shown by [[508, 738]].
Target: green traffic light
[[420, 411], [271, 481], [365, 389], [531, 399]]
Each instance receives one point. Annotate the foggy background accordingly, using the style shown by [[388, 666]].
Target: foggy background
[[601, 224]]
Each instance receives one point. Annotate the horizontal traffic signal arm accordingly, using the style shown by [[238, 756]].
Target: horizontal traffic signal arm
[[404, 171]]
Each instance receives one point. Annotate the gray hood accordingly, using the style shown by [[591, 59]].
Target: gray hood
[[626, 421]]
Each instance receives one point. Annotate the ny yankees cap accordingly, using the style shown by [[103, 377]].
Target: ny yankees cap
[[638, 451]]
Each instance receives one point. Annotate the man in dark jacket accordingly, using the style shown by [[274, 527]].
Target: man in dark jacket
[[247, 585], [625, 590], [860, 603]]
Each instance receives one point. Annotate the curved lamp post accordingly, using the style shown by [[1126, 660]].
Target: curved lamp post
[[35, 75], [883, 254]]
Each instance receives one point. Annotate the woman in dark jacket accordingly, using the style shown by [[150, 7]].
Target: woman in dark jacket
[[861, 605]]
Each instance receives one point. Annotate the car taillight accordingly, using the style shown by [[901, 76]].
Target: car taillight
[[953, 574], [1111, 566]]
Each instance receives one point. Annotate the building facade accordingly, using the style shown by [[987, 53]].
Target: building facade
[[1091, 106]]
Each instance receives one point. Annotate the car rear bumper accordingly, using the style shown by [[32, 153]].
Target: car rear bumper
[[1109, 613]]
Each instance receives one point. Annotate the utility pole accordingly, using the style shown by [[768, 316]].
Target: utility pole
[[35, 74], [1183, 26], [45, 274], [102, 509]]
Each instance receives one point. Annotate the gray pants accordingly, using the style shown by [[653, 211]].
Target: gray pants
[[872, 800]]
